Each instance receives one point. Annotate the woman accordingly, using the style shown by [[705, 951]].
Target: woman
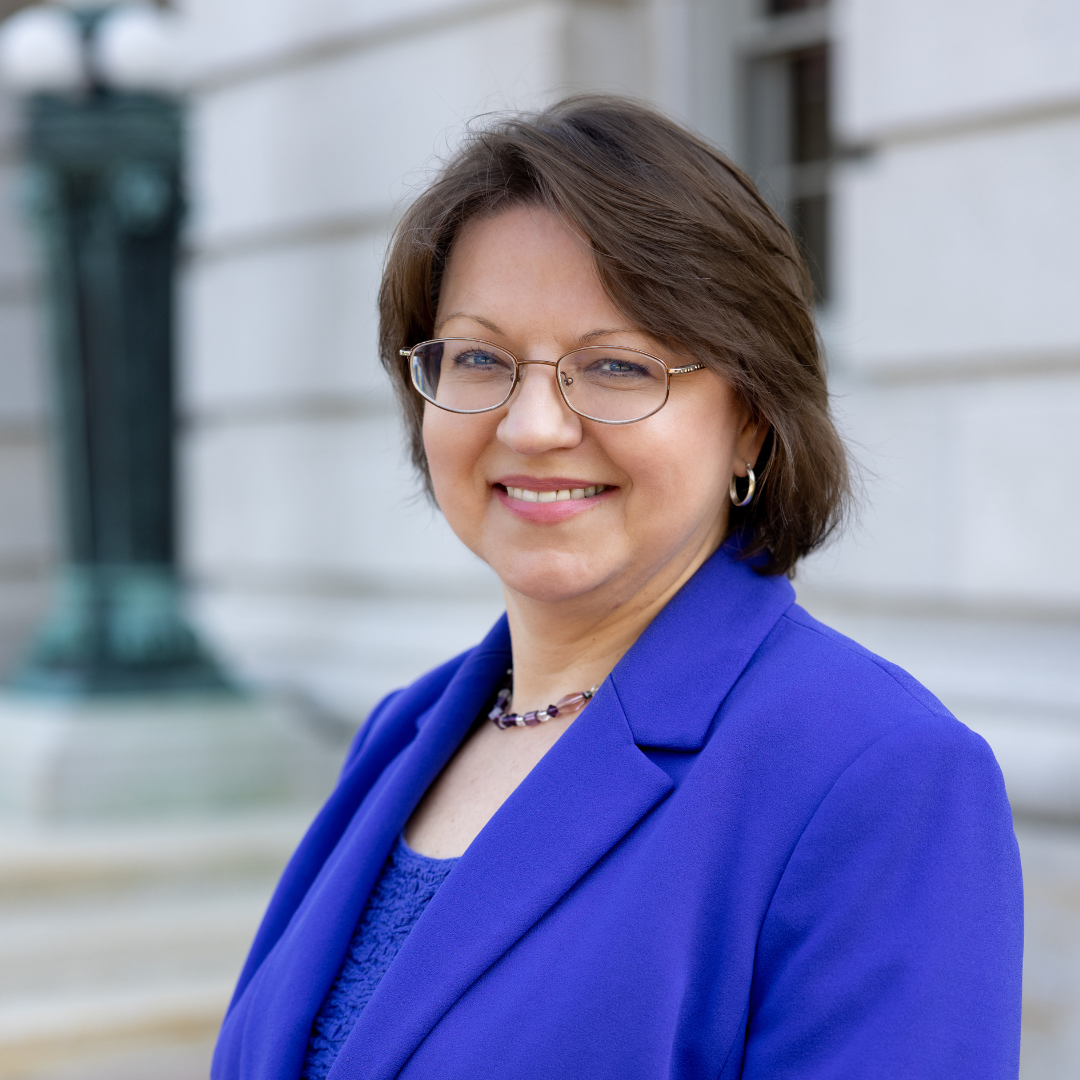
[[660, 822]]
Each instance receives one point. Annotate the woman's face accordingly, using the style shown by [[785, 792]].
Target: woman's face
[[523, 280]]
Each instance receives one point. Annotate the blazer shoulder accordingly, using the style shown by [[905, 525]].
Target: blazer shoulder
[[837, 658], [810, 686], [851, 722]]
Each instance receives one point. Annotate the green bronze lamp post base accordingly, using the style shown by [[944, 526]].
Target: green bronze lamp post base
[[117, 629]]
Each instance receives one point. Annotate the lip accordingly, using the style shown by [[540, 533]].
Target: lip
[[545, 483], [552, 512]]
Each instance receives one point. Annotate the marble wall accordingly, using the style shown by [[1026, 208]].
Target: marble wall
[[955, 340]]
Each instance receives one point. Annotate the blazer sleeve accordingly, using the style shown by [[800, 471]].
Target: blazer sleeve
[[893, 943]]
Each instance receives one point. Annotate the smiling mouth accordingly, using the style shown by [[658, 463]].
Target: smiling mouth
[[560, 495]]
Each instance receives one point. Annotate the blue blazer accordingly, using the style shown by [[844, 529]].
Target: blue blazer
[[760, 852]]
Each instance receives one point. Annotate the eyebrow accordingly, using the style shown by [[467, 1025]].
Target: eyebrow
[[590, 336], [465, 315], [606, 333]]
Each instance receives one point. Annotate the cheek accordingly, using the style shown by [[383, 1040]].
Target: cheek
[[445, 444], [454, 446], [680, 471], [437, 448], [676, 495]]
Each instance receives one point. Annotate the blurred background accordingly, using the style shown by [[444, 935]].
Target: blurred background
[[926, 153]]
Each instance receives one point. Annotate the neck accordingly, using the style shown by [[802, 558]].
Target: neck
[[563, 647]]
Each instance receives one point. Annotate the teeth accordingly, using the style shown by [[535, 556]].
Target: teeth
[[562, 495]]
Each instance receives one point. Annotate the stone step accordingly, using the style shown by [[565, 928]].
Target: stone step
[[76, 861], [64, 1028], [120, 944], [76, 760], [105, 941]]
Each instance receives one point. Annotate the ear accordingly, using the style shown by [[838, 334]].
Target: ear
[[748, 442]]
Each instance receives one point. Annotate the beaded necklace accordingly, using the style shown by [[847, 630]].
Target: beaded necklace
[[572, 703]]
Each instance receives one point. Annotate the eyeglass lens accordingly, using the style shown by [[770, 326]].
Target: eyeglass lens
[[612, 385]]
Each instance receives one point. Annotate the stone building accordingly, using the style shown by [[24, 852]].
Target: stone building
[[927, 154]]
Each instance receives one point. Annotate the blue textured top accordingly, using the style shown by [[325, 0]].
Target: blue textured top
[[406, 884]]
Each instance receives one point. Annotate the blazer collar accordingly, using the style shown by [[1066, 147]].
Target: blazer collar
[[481, 669], [674, 678]]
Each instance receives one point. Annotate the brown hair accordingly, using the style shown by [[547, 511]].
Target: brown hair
[[686, 248]]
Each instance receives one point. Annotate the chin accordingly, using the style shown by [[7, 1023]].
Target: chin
[[550, 577]]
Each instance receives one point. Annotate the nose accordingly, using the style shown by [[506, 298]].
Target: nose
[[537, 419]]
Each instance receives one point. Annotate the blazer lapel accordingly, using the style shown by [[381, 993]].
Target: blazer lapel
[[583, 797], [283, 998], [675, 678]]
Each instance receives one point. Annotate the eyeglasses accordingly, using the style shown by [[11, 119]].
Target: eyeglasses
[[612, 386]]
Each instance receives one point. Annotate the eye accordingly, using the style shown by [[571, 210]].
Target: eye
[[477, 363], [613, 367], [614, 370], [476, 358]]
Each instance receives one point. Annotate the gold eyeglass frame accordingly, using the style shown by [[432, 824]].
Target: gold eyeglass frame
[[519, 364]]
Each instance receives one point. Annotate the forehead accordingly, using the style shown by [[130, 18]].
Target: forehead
[[524, 262], [527, 225]]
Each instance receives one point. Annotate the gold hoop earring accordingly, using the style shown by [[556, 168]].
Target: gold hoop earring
[[734, 495]]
